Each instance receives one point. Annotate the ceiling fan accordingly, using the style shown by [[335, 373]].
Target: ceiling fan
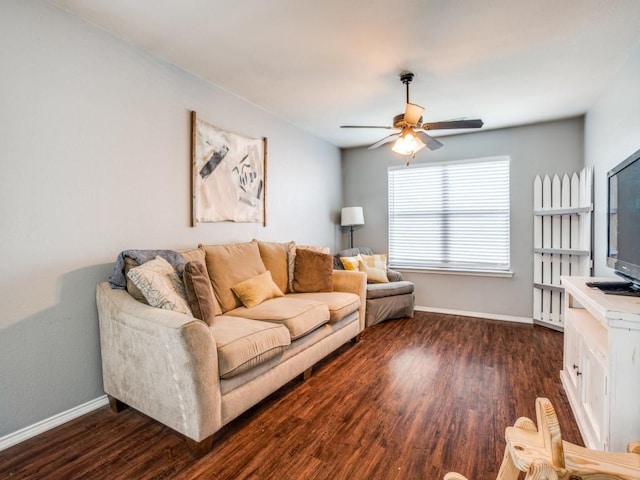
[[411, 134]]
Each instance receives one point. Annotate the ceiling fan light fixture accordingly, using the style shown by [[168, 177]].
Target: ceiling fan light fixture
[[408, 143]]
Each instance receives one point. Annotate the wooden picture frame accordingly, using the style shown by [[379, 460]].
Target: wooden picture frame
[[228, 175]]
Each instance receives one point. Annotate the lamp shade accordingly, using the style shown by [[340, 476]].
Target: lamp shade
[[352, 216], [408, 143]]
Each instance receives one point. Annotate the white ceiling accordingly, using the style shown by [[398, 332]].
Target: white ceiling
[[324, 63]]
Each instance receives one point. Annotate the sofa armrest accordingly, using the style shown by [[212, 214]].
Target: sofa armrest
[[162, 363], [394, 275], [352, 282]]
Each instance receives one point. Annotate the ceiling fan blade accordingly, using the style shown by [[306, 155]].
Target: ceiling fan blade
[[365, 126], [386, 139], [412, 113], [476, 123], [432, 143]]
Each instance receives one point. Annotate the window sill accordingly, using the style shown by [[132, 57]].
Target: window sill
[[451, 271]]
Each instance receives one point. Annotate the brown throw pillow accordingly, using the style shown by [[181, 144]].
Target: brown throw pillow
[[200, 296], [313, 272]]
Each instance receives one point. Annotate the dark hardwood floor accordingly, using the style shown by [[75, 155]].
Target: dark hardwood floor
[[414, 399]]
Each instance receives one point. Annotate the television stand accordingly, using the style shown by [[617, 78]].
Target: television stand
[[601, 371]]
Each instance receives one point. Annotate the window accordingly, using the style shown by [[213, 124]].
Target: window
[[452, 216]]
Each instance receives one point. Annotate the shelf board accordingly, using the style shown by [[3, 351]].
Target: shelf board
[[563, 251], [562, 211], [548, 286]]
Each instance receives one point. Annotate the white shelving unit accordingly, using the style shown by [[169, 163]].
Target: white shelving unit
[[562, 212], [601, 365]]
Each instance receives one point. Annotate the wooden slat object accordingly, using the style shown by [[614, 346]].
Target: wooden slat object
[[546, 243], [562, 239], [567, 459], [556, 259], [537, 243]]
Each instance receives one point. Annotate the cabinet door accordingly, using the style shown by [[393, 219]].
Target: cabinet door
[[571, 352], [594, 394]]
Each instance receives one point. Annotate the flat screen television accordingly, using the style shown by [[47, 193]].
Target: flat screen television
[[623, 224]]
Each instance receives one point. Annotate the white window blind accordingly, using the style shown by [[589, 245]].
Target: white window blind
[[450, 216]]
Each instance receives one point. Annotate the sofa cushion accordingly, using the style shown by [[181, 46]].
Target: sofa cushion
[[200, 296], [299, 315], [313, 272], [340, 304], [275, 257], [242, 344], [193, 254], [379, 290], [256, 290], [231, 264], [160, 284]]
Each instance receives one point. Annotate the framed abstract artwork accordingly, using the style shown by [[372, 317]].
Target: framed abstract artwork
[[228, 175]]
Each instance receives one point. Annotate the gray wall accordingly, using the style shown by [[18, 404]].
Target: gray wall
[[553, 147], [95, 159], [612, 133]]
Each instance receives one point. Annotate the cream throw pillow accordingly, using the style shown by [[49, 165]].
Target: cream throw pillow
[[376, 261], [160, 285], [351, 263], [374, 275], [256, 290]]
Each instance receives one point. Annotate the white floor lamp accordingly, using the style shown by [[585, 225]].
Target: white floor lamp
[[350, 217]]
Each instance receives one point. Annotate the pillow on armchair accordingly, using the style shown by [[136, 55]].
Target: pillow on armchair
[[392, 275]]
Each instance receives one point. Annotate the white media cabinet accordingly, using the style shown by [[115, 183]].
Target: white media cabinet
[[601, 366]]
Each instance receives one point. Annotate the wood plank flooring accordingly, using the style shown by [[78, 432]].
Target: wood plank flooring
[[414, 399]]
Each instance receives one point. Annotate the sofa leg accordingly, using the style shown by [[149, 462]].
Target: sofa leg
[[307, 373], [116, 405], [356, 339], [201, 448]]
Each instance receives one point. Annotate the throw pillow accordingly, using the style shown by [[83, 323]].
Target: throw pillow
[[275, 257], [351, 263], [200, 296], [375, 261], [374, 275], [134, 291], [159, 283], [231, 264], [292, 259], [256, 290], [313, 271]]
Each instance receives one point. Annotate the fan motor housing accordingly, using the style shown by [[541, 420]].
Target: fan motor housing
[[398, 121]]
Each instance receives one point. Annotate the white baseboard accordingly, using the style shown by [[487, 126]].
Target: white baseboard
[[51, 422], [489, 316]]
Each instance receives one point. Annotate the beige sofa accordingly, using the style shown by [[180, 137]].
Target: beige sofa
[[196, 375]]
